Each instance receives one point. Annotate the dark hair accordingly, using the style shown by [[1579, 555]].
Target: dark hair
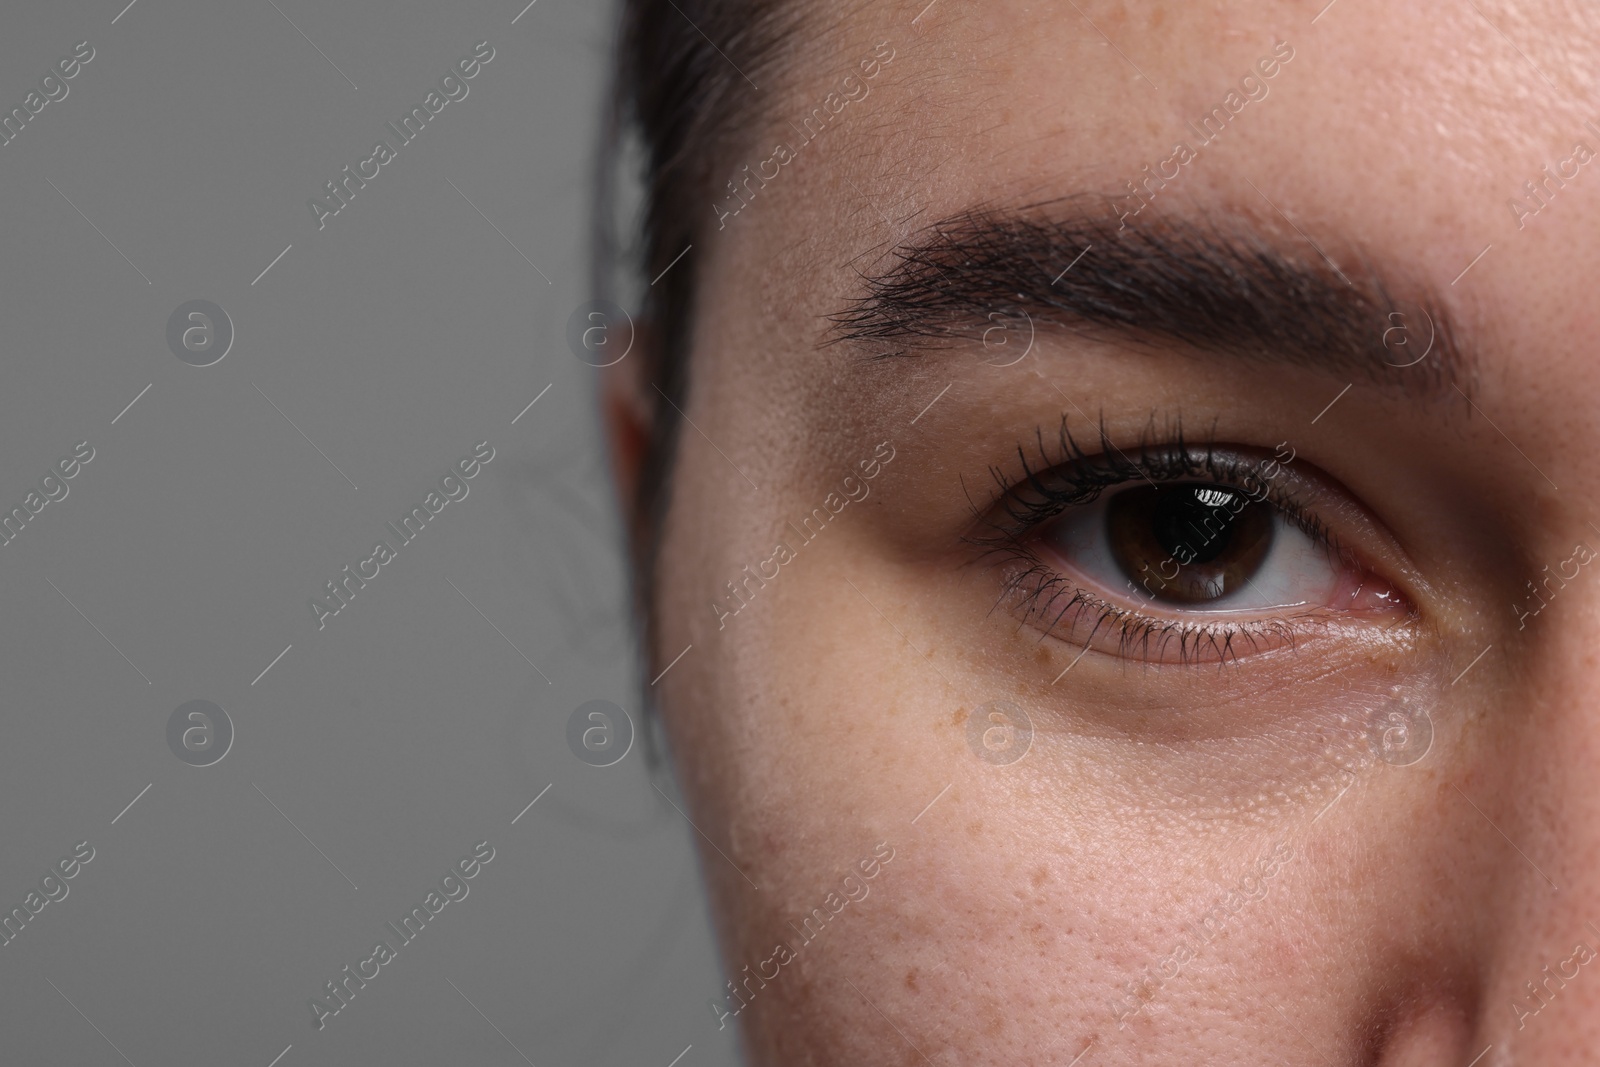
[[682, 91]]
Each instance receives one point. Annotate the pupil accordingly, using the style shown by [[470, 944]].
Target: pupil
[[1188, 544], [1195, 523]]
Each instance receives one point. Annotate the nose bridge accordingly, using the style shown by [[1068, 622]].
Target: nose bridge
[[1538, 805], [1543, 1003], [1565, 984]]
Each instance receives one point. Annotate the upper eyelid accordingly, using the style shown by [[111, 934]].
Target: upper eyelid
[[1318, 501], [1165, 442], [1225, 464]]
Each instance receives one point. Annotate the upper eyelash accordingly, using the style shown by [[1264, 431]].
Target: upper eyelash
[[1073, 477]]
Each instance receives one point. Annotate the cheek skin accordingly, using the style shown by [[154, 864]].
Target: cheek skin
[[1075, 863]]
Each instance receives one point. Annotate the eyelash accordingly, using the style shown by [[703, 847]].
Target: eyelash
[[1064, 475]]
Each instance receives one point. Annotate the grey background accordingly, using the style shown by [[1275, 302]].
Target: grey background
[[394, 339]]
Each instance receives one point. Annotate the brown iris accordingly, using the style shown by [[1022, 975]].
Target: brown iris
[[1190, 543]]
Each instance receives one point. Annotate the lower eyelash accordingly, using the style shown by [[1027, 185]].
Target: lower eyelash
[[1044, 593]]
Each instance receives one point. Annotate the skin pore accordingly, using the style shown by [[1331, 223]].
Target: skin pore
[[1207, 854]]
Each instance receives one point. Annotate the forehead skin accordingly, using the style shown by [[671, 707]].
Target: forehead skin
[[832, 710]]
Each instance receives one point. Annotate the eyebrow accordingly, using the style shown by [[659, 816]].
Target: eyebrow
[[1234, 290]]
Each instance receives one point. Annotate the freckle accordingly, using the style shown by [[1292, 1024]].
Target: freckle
[[957, 718], [1041, 876], [911, 979], [975, 828], [1042, 656]]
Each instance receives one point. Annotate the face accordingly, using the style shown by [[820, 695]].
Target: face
[[1132, 546]]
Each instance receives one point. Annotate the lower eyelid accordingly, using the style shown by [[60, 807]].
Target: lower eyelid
[[1082, 619], [1064, 608]]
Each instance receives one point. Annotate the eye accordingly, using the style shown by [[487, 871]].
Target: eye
[[1173, 555], [1196, 546]]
